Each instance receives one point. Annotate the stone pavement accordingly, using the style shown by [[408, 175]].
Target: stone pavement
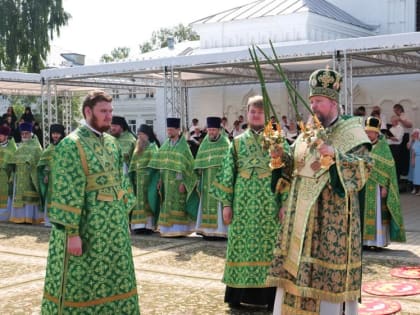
[[176, 276]]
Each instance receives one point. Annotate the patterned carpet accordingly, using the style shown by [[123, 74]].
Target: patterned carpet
[[175, 276]]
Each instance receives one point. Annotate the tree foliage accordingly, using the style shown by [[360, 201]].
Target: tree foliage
[[159, 38], [26, 28], [117, 54]]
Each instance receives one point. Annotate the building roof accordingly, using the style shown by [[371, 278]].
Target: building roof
[[263, 8]]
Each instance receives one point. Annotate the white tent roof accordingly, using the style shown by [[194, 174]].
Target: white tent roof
[[20, 83], [374, 55]]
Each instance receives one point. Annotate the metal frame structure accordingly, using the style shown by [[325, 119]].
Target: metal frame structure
[[31, 84], [385, 55]]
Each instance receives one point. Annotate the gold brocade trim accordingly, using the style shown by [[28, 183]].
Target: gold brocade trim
[[66, 208], [33, 194], [105, 197], [309, 190], [121, 194], [172, 222], [208, 216], [223, 188], [370, 221], [383, 160], [331, 265], [208, 226], [82, 157], [26, 220], [248, 263], [245, 174], [110, 178], [66, 224], [289, 310], [312, 293], [108, 299]]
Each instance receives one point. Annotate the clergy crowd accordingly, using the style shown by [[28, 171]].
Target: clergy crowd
[[295, 231]]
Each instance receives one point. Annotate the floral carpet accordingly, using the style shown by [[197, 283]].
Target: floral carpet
[[175, 276]]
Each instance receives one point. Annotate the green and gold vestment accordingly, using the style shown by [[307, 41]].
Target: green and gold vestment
[[383, 174], [318, 253], [208, 162], [127, 142], [91, 198], [175, 163], [140, 174], [6, 179], [26, 185], [244, 183], [45, 164]]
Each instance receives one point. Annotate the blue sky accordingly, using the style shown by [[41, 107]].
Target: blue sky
[[98, 26]]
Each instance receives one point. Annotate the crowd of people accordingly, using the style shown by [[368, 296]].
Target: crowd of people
[[294, 233]]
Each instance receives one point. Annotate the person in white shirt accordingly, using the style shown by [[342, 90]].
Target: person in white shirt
[[407, 125], [237, 130], [395, 141]]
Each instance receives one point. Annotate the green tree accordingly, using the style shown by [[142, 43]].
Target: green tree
[[26, 28], [159, 38], [117, 54]]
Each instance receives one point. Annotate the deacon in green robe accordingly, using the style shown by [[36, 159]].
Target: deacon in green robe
[[90, 266], [144, 214], [121, 131], [45, 166], [243, 185], [380, 205], [317, 262], [26, 199], [174, 164], [207, 163], [7, 150]]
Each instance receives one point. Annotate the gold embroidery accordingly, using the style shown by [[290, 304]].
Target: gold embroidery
[[93, 302], [66, 208]]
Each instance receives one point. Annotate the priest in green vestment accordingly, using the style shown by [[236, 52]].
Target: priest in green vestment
[[26, 200], [207, 163], [90, 267], [174, 165], [380, 204], [45, 166], [126, 139], [251, 210], [7, 150], [144, 214], [317, 264]]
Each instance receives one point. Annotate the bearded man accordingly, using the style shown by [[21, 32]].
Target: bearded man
[[90, 265], [317, 264], [207, 164]]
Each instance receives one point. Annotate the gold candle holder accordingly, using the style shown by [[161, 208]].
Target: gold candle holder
[[273, 142]]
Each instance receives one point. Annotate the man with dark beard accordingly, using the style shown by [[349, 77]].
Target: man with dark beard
[[121, 131], [318, 258], [243, 186], [26, 201], [7, 149], [90, 265], [45, 165], [144, 215], [207, 164], [174, 164]]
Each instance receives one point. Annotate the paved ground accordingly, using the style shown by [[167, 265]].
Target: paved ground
[[175, 276]]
